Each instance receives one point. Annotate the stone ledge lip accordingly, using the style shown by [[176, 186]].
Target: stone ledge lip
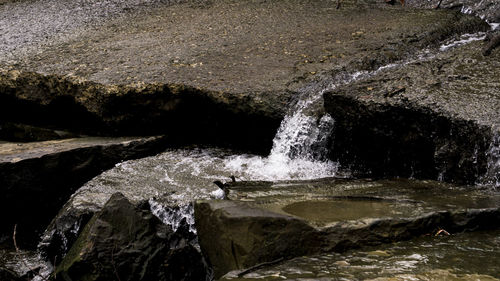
[[43, 175], [19, 151], [232, 240]]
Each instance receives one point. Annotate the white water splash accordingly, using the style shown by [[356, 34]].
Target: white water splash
[[464, 39], [174, 217]]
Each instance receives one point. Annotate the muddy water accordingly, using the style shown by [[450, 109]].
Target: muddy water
[[466, 256]]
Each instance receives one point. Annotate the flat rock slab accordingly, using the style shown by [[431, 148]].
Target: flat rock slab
[[226, 71], [460, 84], [42, 175], [245, 46], [293, 219], [462, 256], [15, 152]]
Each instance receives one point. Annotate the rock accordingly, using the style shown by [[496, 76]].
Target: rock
[[430, 119], [493, 42], [487, 9], [335, 217], [36, 179], [233, 235], [211, 86], [201, 116], [429, 262], [125, 242], [24, 133], [8, 275]]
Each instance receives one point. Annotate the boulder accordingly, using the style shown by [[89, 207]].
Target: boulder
[[128, 242], [37, 178]]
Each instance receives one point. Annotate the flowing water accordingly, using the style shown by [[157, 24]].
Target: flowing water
[[467, 256]]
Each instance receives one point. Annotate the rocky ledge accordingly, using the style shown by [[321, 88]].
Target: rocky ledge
[[37, 178], [218, 72], [280, 221], [434, 118]]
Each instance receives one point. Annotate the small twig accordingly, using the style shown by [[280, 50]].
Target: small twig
[[55, 267], [395, 92], [441, 231], [258, 266], [438, 5]]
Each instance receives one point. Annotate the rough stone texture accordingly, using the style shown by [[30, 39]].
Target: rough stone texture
[[243, 63], [493, 41], [429, 119], [487, 9], [125, 242], [185, 114], [36, 179], [235, 235]]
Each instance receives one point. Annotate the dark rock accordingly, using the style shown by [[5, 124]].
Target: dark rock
[[201, 116], [36, 179], [25, 133], [442, 126], [493, 42], [9, 275], [234, 235], [125, 242]]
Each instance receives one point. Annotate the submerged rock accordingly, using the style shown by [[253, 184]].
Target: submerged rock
[[126, 242], [36, 179]]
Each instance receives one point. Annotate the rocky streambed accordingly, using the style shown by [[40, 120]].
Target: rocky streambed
[[340, 139]]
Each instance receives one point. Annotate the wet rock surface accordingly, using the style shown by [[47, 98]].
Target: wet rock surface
[[260, 225], [129, 243], [406, 113], [38, 178], [489, 10], [459, 256]]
